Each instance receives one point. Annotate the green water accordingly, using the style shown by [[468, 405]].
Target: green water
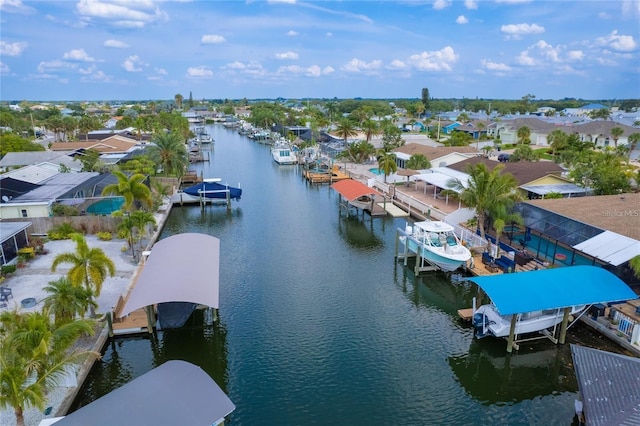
[[320, 325]]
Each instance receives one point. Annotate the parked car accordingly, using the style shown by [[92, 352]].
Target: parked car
[[503, 158]]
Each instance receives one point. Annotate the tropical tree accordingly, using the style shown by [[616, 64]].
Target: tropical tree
[[633, 138], [169, 152], [370, 129], [418, 162], [486, 190], [391, 136], [616, 132], [35, 354], [90, 160], [602, 113], [525, 153], [178, 98], [463, 117], [557, 140], [635, 265], [358, 151], [346, 129], [131, 188], [524, 135], [387, 163], [89, 267], [66, 301], [502, 215]]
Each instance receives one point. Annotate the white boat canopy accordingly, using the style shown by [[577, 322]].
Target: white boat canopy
[[175, 393], [610, 247], [180, 268], [441, 176]]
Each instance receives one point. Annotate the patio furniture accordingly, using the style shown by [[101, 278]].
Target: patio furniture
[[5, 293]]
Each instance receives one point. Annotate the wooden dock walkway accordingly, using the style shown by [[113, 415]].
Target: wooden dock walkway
[[315, 176]]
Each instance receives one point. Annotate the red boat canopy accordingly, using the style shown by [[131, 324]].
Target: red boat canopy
[[352, 189]]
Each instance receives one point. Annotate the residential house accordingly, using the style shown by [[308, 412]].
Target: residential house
[[438, 156], [13, 160]]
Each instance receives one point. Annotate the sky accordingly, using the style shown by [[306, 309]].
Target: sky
[[92, 50]]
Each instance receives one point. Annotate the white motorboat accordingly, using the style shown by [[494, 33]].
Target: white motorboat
[[282, 153], [488, 321], [436, 242]]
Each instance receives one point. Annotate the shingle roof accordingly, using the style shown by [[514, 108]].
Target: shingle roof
[[523, 171], [111, 144], [609, 386], [12, 159], [617, 213]]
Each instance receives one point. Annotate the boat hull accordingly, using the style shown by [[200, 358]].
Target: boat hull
[[213, 190], [447, 263], [488, 321]]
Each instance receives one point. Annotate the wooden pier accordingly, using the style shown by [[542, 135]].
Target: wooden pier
[[315, 176]]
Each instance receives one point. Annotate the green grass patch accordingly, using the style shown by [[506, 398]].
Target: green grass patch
[[542, 152]]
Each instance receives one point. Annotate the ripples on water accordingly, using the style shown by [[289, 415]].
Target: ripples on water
[[319, 324]]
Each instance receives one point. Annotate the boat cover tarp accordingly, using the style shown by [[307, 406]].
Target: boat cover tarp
[[609, 386], [174, 314], [175, 393], [213, 190], [553, 288], [610, 247], [180, 268], [352, 189]]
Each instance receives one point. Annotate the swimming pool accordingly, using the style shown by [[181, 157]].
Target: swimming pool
[[375, 171]]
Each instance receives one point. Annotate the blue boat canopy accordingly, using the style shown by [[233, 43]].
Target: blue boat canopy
[[553, 289]]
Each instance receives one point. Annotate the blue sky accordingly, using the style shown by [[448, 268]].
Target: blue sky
[[146, 49]]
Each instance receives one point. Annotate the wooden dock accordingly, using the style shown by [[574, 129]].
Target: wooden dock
[[465, 314], [315, 176]]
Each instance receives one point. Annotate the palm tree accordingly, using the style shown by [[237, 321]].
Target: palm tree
[[633, 138], [141, 220], [178, 97], [345, 129], [418, 162], [558, 141], [616, 132], [486, 191], [66, 301], [524, 135], [387, 163], [34, 356], [169, 152], [358, 151], [131, 188], [635, 265], [501, 215], [90, 267], [370, 129]]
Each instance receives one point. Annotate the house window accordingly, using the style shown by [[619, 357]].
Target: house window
[[23, 212]]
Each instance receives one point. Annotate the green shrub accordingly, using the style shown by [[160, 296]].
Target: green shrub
[[61, 232], [62, 210], [122, 234], [8, 269], [104, 236]]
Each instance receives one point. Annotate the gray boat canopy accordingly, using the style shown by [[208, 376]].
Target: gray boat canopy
[[180, 268], [175, 393]]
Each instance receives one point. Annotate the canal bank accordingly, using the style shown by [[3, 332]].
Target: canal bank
[[318, 323]]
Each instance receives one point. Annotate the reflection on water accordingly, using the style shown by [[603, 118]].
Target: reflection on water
[[492, 376], [319, 324]]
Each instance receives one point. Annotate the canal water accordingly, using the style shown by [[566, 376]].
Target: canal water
[[318, 324]]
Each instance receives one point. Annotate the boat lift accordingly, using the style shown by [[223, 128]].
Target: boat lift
[[204, 198]]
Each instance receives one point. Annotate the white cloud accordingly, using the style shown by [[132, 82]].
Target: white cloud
[[462, 20], [575, 55], [133, 64], [495, 66], [12, 49], [471, 4], [329, 34], [4, 68], [518, 30], [397, 64], [441, 4], [125, 14], [117, 44], [16, 6], [287, 55], [47, 67], [161, 71], [312, 71], [513, 1], [87, 71], [525, 59], [97, 77], [292, 33], [358, 66], [439, 60], [621, 43], [631, 7], [199, 72], [236, 65], [78, 55], [212, 39]]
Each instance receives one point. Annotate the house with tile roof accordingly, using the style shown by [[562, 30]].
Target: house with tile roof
[[116, 144]]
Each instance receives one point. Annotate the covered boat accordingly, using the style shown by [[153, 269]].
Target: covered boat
[[213, 189]]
